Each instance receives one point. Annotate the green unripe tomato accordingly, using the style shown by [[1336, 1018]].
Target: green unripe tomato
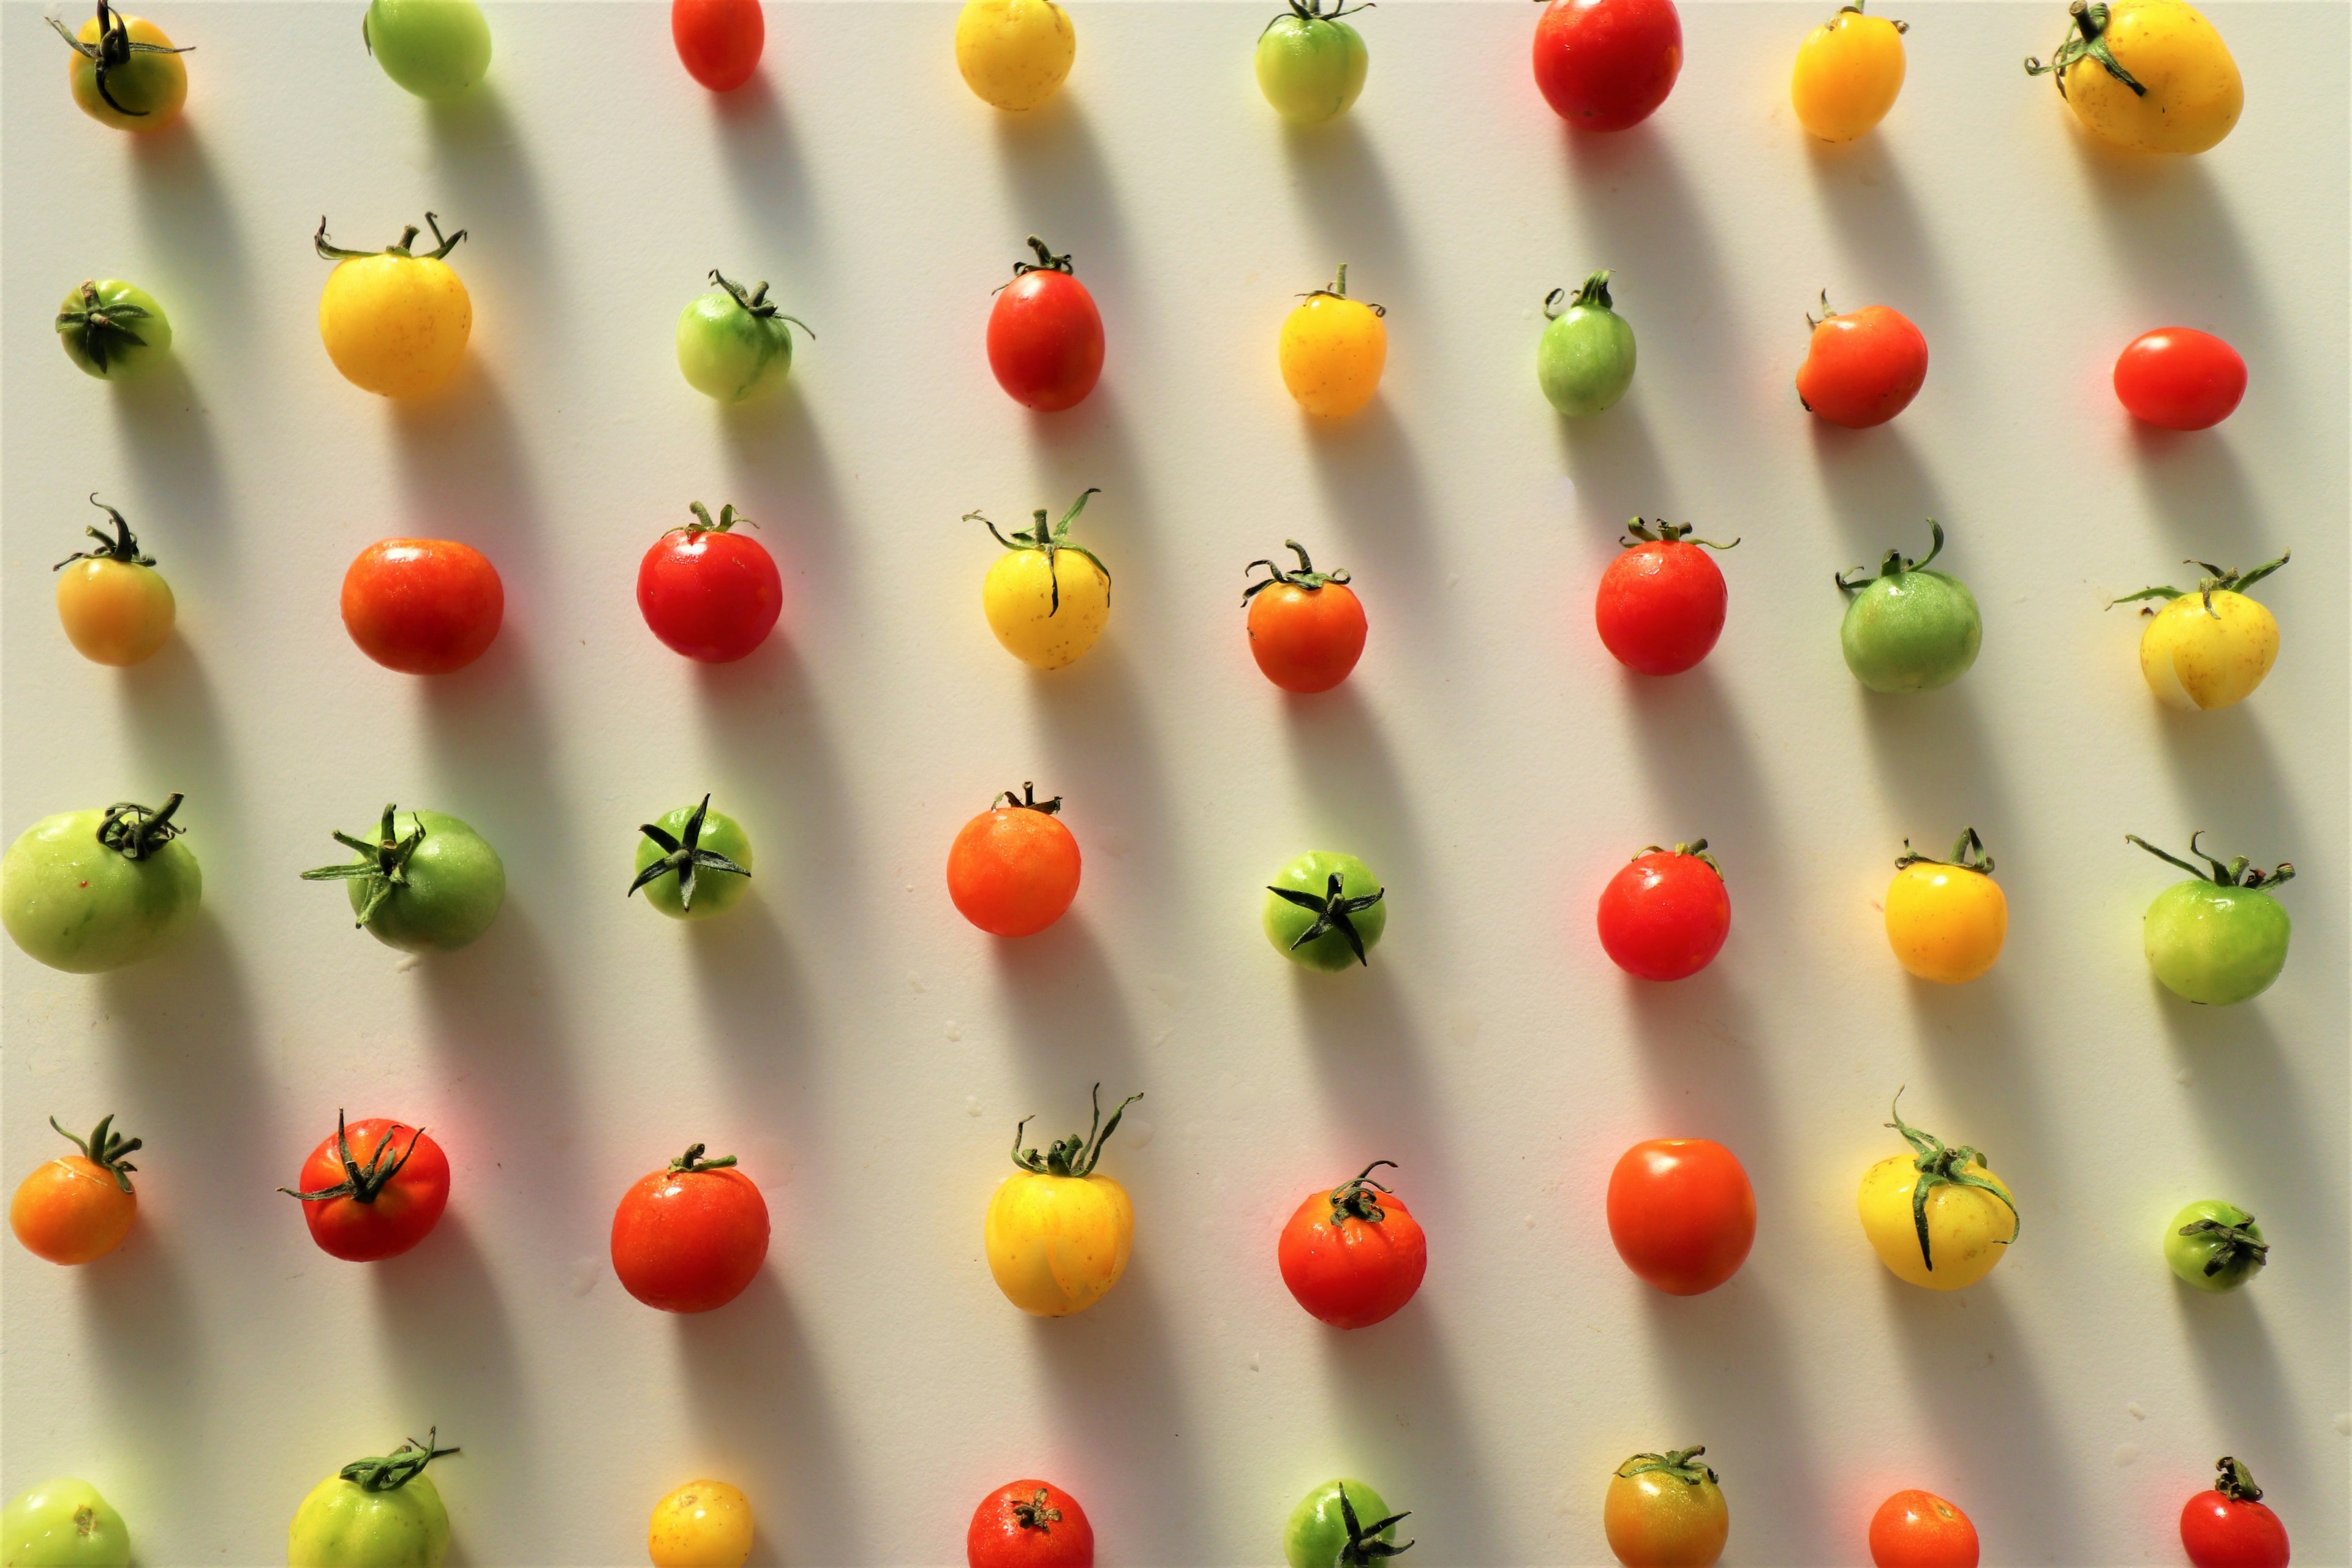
[[342, 1524], [435, 48], [1310, 64], [425, 883], [2214, 944], [734, 346], [2208, 1245], [1361, 904], [1910, 630], [72, 898], [1584, 362], [63, 1523], [1317, 1530], [114, 330], [716, 889]]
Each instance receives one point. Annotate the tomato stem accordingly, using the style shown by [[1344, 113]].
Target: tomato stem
[[1892, 564], [1593, 296], [2231, 1243], [1053, 541], [361, 1183], [1332, 912], [1074, 1155], [684, 855], [1364, 1544], [329, 251], [1939, 1166], [1338, 291], [397, 1469], [1679, 1463], [105, 1150], [102, 332], [1306, 577], [1357, 1199], [137, 831], [2238, 873], [1026, 800], [113, 52], [2215, 580], [692, 1161], [1662, 532], [1036, 1514], [1046, 261], [2086, 34], [2235, 1481], [383, 864], [758, 302], [122, 547], [1968, 854], [1696, 849]]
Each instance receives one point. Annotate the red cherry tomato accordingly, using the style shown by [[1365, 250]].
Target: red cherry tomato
[[1045, 336], [1305, 627], [1014, 870], [708, 592], [1354, 1255], [1029, 1524], [1862, 368], [1681, 1214], [718, 40], [1662, 602], [2231, 1526], [423, 606], [373, 1190], [1920, 1530], [1665, 916], [1604, 65], [691, 1236], [2179, 378]]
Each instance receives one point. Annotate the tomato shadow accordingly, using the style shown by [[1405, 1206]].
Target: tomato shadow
[[2246, 1386], [146, 1338], [1337, 174], [755, 999], [1699, 765], [172, 716], [1101, 738], [1407, 1432], [1372, 485], [2195, 484], [1062, 186], [1613, 461], [766, 167], [186, 213], [482, 163], [2172, 235], [1344, 764], [1061, 992], [465, 475], [1370, 1060], [1879, 490], [165, 433], [2233, 781], [1697, 1043], [1631, 188], [1937, 765], [1988, 1089], [1094, 444], [782, 477], [1862, 187]]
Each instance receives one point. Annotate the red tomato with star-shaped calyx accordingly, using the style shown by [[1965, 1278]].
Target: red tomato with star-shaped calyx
[[1862, 368], [1662, 602], [1029, 1524], [1665, 916], [1353, 1255], [1044, 335], [708, 592], [373, 1190], [2230, 1526]]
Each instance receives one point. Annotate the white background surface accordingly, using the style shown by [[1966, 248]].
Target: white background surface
[[867, 1053]]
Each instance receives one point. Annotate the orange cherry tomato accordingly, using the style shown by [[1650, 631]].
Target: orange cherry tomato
[[1014, 870], [1862, 368], [423, 606], [77, 1206], [1305, 627], [1919, 1529], [1665, 1511]]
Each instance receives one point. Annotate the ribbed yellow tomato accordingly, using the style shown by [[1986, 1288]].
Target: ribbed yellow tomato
[[1936, 1217], [1046, 599], [1057, 1234], [1015, 53], [1849, 70], [702, 1524], [2212, 646], [2152, 75], [1332, 349], [1947, 919], [393, 322], [115, 608]]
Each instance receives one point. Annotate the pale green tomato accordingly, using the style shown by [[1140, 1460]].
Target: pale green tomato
[[63, 1524], [2214, 1246], [87, 891], [1316, 1533], [425, 883], [1351, 915], [732, 345], [114, 330], [1584, 362], [716, 843], [2215, 945], [1910, 630], [435, 48], [1311, 64], [342, 1524]]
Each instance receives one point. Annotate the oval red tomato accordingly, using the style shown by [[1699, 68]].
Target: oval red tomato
[[718, 41], [1029, 1524], [423, 606], [1605, 65], [2230, 1526], [1919, 1529], [1662, 602], [1353, 1255], [691, 1236], [1014, 870], [1044, 335], [708, 592], [1665, 916], [1681, 1214], [373, 1190], [1862, 368], [1306, 628], [2179, 378]]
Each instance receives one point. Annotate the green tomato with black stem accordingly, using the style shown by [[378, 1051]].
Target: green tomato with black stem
[[432, 887], [694, 863], [1909, 628], [87, 891], [735, 346], [63, 1523], [2218, 937], [1343, 1523], [2215, 1247], [374, 1514], [435, 48], [114, 330], [1324, 911], [1584, 361], [1310, 64]]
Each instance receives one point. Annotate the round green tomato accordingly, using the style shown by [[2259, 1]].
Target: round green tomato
[[455, 885], [1911, 631], [2210, 1257], [1360, 904], [435, 48], [1310, 67], [2215, 945], [1317, 1530], [78, 905], [733, 345], [114, 330], [63, 1524], [714, 890], [343, 1525], [1584, 362]]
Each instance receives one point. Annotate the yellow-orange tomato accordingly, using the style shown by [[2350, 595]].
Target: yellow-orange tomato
[[125, 71], [1332, 349], [1946, 919], [1015, 53], [2183, 93], [114, 608], [393, 322], [77, 1206], [1849, 70], [1665, 1511], [702, 1524]]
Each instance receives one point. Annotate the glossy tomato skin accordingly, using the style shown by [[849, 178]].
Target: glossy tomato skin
[[711, 596], [401, 1214], [1656, 1517], [1045, 341], [1919, 1529], [1862, 368], [718, 41], [689, 1240], [1606, 65], [1349, 1270], [423, 606], [2179, 378], [1681, 1214], [63, 1523], [73, 1210], [702, 1524], [1029, 1524], [1665, 916], [1014, 870], [1306, 639], [1661, 607], [2220, 1531]]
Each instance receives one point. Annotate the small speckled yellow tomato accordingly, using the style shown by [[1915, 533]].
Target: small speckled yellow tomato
[[1015, 53], [703, 1524], [1058, 1232], [1946, 919], [2213, 645], [1332, 349], [125, 72], [395, 323], [116, 610], [2151, 75], [1665, 1511], [1046, 599], [1936, 1217], [1849, 70]]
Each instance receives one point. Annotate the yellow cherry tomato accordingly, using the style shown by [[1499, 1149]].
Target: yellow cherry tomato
[[703, 1524], [1849, 70], [394, 323], [1665, 1511], [2213, 645], [1946, 919], [1332, 349], [1058, 1234], [115, 608], [1046, 599], [1950, 1239], [2152, 75], [125, 71], [1015, 53]]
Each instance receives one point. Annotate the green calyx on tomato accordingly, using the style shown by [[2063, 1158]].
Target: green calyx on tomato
[[1052, 540], [2215, 580], [733, 345], [329, 251], [1968, 854], [684, 855], [362, 1184], [1681, 1464], [1037, 1513], [1338, 291], [1046, 262], [2234, 1481], [134, 831], [1026, 800], [2215, 1245], [435, 889], [108, 1150], [1644, 531], [2239, 873], [1334, 911], [1910, 628], [727, 518], [1364, 1544], [1939, 1166], [1696, 849], [2086, 35], [384, 866], [392, 1471], [111, 327], [113, 52], [1306, 577], [2219, 938], [1360, 1199], [692, 1161], [1074, 1155], [122, 547]]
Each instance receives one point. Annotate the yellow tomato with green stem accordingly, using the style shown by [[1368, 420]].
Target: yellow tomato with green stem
[[1946, 919], [1936, 1217], [1332, 351], [1849, 71], [2151, 74], [1058, 1232], [2211, 646], [395, 322], [1046, 599], [1665, 1511], [1015, 53], [380, 1513], [114, 606], [125, 71], [702, 1524]]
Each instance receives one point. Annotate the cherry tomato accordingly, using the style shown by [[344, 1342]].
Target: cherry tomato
[[435, 48], [2215, 1247], [1046, 599], [377, 1513], [80, 1206], [1331, 351], [1662, 603], [734, 346], [1665, 1511], [708, 592], [1343, 1523], [1862, 368], [423, 606], [395, 322], [1946, 919], [718, 40], [1354, 1255], [691, 1236], [1044, 335], [1014, 870], [2231, 1526], [2151, 74], [1058, 1232], [1584, 361], [1665, 916], [1909, 629], [1919, 1529], [87, 891], [1015, 53], [702, 1524], [1605, 65], [1681, 1214], [2219, 937], [1029, 1524], [373, 1190], [694, 863], [1849, 70], [1326, 910], [2211, 646], [1310, 64], [433, 888], [114, 330], [1936, 1217], [2179, 378], [115, 608], [63, 1523], [125, 73], [1305, 627]]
